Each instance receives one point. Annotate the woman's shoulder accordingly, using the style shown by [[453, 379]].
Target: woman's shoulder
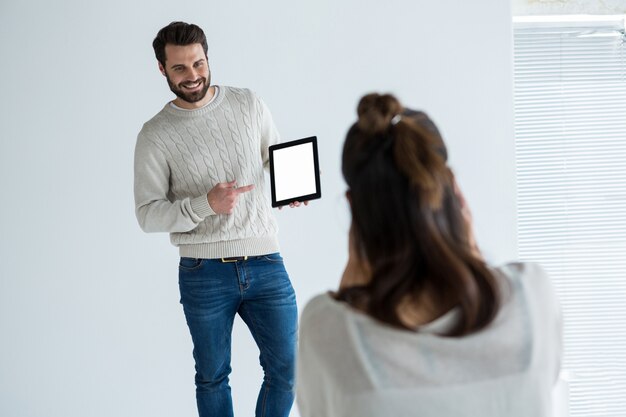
[[324, 326], [536, 292], [321, 306], [326, 316], [532, 287], [529, 277], [521, 269]]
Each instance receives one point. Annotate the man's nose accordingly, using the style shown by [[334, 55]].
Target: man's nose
[[192, 74]]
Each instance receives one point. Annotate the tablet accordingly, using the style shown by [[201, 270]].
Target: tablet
[[294, 171]]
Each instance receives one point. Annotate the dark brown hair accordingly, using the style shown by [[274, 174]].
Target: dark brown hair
[[178, 33], [407, 221]]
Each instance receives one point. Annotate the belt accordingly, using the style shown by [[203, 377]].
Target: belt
[[234, 259]]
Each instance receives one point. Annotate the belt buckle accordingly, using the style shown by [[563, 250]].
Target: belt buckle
[[230, 260]]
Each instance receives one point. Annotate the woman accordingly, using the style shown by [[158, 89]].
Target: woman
[[420, 325]]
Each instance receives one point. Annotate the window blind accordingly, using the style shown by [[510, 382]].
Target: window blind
[[570, 141]]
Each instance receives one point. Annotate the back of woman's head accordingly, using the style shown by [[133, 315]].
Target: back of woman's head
[[407, 221]]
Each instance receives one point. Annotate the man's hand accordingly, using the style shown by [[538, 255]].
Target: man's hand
[[294, 204], [223, 197]]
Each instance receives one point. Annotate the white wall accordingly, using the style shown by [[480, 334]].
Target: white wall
[[90, 323]]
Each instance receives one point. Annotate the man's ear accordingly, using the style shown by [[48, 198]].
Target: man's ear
[[161, 69], [349, 197]]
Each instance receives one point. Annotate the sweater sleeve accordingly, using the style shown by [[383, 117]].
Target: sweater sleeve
[[154, 211], [269, 132]]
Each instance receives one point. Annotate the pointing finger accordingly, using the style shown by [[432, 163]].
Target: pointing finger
[[244, 189], [229, 184]]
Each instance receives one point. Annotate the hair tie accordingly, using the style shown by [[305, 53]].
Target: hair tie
[[395, 119]]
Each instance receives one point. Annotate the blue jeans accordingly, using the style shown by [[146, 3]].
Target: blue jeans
[[259, 290]]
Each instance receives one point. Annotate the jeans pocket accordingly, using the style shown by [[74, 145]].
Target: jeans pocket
[[273, 257], [190, 264]]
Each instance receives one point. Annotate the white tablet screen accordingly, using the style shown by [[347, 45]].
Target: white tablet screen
[[294, 171]]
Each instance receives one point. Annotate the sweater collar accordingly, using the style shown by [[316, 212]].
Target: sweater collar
[[220, 92]]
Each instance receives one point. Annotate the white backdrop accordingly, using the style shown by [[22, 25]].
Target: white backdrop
[[90, 322]]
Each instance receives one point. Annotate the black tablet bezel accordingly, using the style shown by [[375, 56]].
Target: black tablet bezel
[[318, 192]]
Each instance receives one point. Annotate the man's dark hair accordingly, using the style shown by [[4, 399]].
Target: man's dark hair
[[178, 33]]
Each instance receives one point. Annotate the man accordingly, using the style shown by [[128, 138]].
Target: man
[[199, 175]]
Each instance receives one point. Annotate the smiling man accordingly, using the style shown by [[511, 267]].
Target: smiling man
[[199, 175]]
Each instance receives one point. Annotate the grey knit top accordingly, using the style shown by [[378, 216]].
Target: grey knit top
[[181, 155], [352, 365]]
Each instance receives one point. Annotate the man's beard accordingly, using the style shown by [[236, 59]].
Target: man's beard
[[190, 97]]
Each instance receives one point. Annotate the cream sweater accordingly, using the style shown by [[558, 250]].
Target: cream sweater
[[352, 365], [181, 155]]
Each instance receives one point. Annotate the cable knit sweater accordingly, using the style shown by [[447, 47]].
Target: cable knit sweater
[[182, 154]]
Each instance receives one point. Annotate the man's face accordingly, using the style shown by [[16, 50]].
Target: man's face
[[187, 71]]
